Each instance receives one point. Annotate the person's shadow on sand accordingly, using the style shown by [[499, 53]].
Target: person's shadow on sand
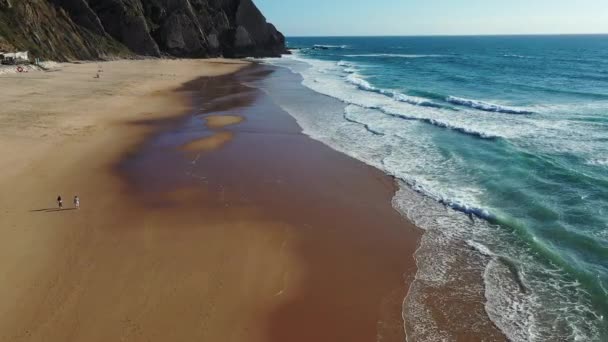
[[50, 210]]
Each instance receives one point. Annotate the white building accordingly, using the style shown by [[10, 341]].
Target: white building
[[19, 56]]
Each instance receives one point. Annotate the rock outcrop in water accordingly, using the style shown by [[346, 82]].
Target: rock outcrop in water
[[93, 29]]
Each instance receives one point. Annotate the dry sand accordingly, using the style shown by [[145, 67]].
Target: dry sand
[[92, 274]]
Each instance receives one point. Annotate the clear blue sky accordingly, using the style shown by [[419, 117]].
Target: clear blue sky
[[435, 17]]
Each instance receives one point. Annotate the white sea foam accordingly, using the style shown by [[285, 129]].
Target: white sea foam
[[598, 162], [518, 56], [485, 106], [329, 47], [481, 248], [443, 124], [349, 68], [417, 101], [521, 294], [543, 129], [384, 132], [394, 55], [361, 83]]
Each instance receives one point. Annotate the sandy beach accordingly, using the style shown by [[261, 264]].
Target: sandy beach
[[206, 213]]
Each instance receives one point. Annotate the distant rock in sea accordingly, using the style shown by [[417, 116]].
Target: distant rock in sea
[[96, 29]]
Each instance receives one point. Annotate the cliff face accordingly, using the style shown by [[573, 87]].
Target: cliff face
[[91, 29]]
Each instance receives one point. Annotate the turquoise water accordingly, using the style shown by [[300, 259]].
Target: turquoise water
[[509, 132]]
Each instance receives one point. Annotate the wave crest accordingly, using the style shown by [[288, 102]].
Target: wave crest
[[442, 124], [485, 106], [329, 47], [597, 162], [362, 84], [393, 55]]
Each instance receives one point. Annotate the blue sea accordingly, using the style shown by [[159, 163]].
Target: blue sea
[[500, 147]]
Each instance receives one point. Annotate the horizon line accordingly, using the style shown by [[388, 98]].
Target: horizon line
[[449, 35]]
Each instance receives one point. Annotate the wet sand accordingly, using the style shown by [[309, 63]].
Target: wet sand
[[260, 235], [345, 256], [209, 143], [220, 121]]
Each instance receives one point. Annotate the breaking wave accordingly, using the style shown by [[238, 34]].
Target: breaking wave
[[597, 162], [393, 55], [329, 47], [362, 84], [438, 123], [344, 64], [517, 56], [528, 291], [487, 107], [446, 125]]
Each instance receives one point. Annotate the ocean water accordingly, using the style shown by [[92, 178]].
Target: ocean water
[[500, 145]]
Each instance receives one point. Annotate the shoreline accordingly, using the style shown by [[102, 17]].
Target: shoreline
[[156, 239], [522, 255], [432, 297], [327, 261], [280, 193]]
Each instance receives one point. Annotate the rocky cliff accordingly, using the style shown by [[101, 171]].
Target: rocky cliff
[[94, 29]]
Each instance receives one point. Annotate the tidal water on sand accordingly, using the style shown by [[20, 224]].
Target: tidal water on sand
[[500, 145]]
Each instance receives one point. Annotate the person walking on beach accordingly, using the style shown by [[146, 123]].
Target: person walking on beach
[[59, 202], [76, 202]]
